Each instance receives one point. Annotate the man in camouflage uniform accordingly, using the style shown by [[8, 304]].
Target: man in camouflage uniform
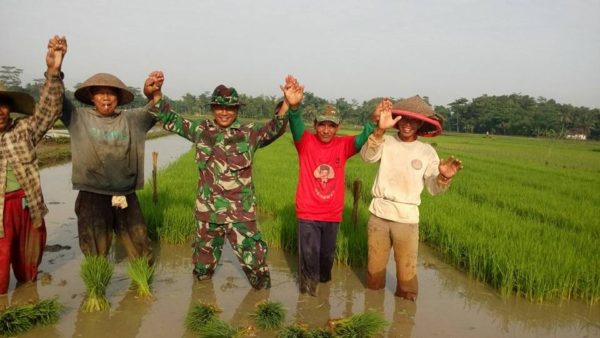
[[225, 200]]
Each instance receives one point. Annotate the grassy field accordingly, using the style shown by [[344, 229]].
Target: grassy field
[[522, 216]]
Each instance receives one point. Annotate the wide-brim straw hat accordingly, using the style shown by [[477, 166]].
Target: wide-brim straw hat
[[84, 95], [417, 108], [18, 102]]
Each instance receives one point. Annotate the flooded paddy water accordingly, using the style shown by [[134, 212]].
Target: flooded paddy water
[[450, 303]]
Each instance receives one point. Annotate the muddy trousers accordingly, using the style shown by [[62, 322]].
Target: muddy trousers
[[22, 245], [246, 242], [316, 252], [404, 238], [97, 219]]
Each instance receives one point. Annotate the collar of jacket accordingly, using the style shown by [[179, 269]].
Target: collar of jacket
[[235, 125]]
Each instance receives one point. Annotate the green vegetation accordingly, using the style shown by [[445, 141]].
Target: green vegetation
[[362, 325], [269, 315], [96, 272], [171, 219], [218, 328], [522, 215], [18, 319], [320, 333], [141, 274], [199, 316], [293, 331]]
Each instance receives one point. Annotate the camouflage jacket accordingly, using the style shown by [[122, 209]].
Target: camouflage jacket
[[224, 158], [17, 148]]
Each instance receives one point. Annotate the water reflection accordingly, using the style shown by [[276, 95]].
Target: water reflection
[[111, 323]]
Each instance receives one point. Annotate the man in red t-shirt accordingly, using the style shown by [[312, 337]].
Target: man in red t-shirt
[[320, 192]]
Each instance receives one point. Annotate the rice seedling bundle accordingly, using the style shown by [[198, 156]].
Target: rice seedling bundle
[[141, 274], [218, 328], [293, 331], [320, 333], [96, 272], [269, 315], [199, 316], [46, 311], [18, 319], [363, 325]]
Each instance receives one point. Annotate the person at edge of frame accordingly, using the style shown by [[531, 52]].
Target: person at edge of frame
[[22, 207]]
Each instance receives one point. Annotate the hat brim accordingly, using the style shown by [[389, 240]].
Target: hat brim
[[84, 95], [239, 104], [430, 128], [327, 118], [19, 102]]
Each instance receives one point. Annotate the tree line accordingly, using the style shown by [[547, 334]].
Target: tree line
[[513, 114]]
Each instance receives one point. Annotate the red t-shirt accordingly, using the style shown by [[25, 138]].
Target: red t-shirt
[[320, 192]]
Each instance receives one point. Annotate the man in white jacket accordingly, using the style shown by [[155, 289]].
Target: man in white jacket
[[406, 166]]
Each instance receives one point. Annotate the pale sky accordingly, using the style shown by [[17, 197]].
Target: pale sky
[[444, 49]]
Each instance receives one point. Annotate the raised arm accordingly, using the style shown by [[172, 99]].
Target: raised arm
[[153, 91], [371, 151], [49, 106], [293, 94], [370, 125], [161, 110]]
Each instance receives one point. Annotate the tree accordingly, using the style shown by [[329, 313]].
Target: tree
[[11, 77], [458, 108]]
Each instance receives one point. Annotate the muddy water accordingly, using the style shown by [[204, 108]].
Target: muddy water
[[449, 305]]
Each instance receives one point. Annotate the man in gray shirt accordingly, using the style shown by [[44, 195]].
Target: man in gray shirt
[[107, 147]]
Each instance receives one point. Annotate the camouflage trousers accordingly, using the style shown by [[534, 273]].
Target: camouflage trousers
[[247, 244]]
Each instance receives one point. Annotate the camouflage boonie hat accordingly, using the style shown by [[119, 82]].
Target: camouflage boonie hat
[[417, 108], [225, 96], [329, 114], [84, 95]]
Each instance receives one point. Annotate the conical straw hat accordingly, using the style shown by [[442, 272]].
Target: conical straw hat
[[417, 108], [84, 95]]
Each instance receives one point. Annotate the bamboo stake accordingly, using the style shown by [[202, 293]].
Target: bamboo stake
[[154, 166]]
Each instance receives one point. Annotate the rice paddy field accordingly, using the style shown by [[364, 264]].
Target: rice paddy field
[[523, 215]]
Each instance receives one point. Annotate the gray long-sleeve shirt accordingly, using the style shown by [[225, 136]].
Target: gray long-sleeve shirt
[[107, 152]]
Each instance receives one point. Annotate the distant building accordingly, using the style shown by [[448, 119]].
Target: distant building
[[576, 134]]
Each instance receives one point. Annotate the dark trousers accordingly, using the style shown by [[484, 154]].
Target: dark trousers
[[22, 245], [97, 219], [316, 252]]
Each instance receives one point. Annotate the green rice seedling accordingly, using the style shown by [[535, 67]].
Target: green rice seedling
[[16, 319], [320, 333], [96, 272], [293, 331], [141, 274], [363, 325], [218, 328], [269, 315], [199, 315], [47, 311], [21, 318]]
